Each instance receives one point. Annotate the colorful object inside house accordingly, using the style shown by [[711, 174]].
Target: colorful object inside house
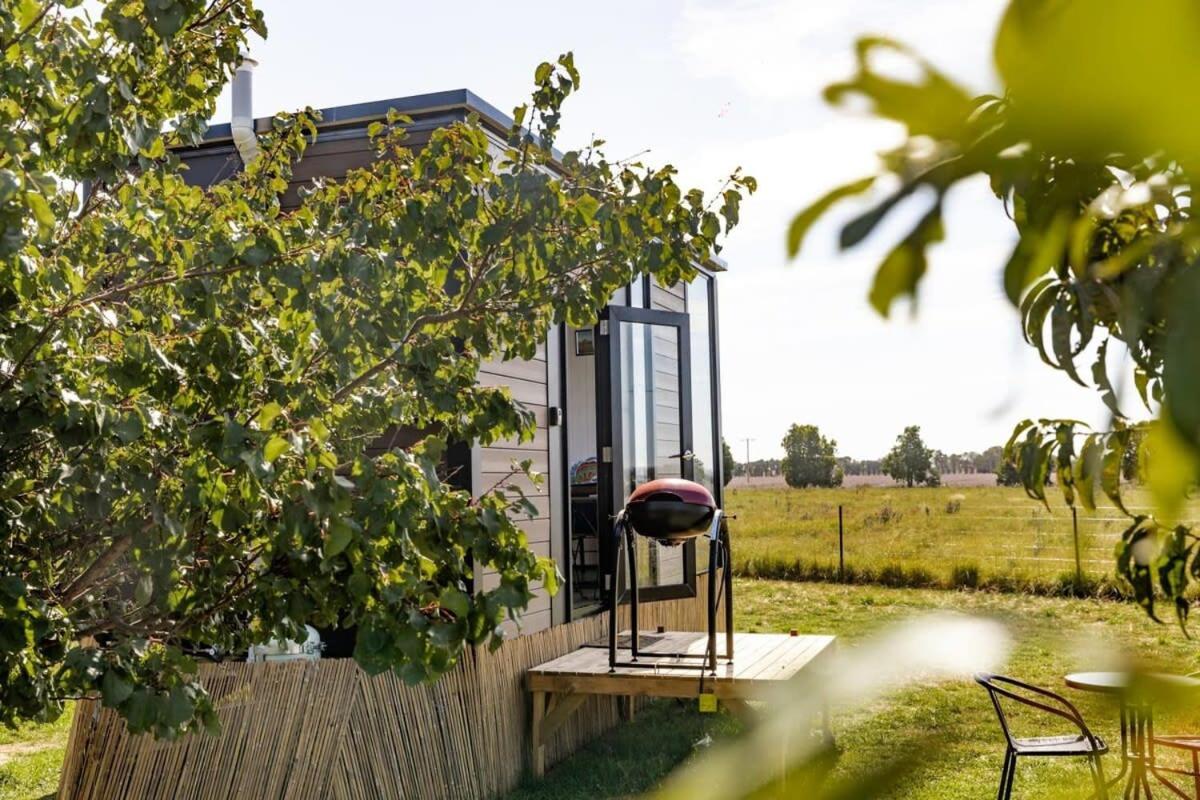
[[584, 471]]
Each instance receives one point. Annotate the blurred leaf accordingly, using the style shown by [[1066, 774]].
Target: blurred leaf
[[805, 219], [1172, 467], [903, 267]]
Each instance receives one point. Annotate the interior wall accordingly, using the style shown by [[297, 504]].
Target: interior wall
[[581, 403]]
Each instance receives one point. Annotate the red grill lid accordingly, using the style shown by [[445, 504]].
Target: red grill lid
[[686, 491]]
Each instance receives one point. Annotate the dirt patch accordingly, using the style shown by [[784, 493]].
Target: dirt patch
[[10, 752]]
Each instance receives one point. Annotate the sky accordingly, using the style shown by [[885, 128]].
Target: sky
[[710, 85]]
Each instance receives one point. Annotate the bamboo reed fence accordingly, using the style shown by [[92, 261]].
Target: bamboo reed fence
[[325, 729]]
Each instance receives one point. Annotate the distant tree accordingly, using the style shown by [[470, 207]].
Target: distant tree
[[760, 468], [989, 460], [810, 459], [1007, 473], [910, 461], [730, 464], [838, 476]]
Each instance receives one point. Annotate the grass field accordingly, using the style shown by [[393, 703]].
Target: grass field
[[950, 536], [30, 759], [1051, 638]]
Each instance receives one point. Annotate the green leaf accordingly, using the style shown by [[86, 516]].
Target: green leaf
[[41, 211], [274, 448], [587, 206], [114, 689], [1110, 468], [1172, 467], [903, 268], [1100, 378], [806, 218], [339, 536], [267, 414], [27, 12], [1034, 255], [1035, 322], [1061, 325], [455, 601], [1086, 470], [179, 707], [129, 427]]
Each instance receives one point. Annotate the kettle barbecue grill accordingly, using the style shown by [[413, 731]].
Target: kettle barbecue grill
[[672, 511]]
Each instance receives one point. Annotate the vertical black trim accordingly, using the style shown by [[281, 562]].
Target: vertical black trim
[[564, 438], [714, 343], [604, 474], [609, 432]]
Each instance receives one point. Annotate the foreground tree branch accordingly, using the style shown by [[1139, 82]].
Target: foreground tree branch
[[205, 359]]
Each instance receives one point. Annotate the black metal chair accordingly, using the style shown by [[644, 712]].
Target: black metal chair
[[1084, 744], [1188, 745]]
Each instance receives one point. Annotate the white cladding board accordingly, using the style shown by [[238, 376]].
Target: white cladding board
[[528, 381]]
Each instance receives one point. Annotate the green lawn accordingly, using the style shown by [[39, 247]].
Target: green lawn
[[947, 535], [1052, 637], [30, 758]]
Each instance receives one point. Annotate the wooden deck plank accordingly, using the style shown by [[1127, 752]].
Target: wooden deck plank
[[780, 658], [761, 661]]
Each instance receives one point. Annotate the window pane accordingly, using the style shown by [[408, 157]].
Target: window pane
[[651, 431]]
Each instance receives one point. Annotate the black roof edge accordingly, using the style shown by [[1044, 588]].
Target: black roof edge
[[415, 105], [412, 105]]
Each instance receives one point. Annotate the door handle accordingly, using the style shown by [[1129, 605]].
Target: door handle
[[686, 455]]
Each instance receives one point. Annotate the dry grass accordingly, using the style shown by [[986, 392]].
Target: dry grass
[[963, 537], [1051, 637]]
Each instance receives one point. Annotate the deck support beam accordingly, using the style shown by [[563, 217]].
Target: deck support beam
[[550, 710]]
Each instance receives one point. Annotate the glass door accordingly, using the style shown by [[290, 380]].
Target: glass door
[[645, 430]]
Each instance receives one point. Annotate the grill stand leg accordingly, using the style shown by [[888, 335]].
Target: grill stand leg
[[727, 566], [631, 549], [712, 605], [614, 591]]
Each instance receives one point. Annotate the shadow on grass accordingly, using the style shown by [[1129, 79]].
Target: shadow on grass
[[631, 758]]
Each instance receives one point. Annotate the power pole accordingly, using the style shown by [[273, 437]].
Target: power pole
[[748, 441]]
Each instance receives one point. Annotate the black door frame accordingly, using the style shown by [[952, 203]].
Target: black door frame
[[609, 432]]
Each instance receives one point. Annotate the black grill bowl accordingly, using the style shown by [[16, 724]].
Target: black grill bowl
[[668, 519]]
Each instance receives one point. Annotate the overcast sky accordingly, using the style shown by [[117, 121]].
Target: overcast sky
[[708, 85]]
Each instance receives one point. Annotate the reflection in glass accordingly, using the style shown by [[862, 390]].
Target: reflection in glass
[[651, 441]]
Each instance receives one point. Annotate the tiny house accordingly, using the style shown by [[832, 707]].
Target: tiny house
[[633, 398]]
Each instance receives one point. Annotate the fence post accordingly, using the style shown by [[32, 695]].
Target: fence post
[[1078, 563], [841, 547]]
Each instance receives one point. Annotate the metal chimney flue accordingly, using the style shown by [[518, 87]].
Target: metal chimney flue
[[241, 125]]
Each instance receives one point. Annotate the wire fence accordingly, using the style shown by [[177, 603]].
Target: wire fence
[[1013, 544]]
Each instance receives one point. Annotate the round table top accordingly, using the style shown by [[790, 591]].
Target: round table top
[[1116, 682]]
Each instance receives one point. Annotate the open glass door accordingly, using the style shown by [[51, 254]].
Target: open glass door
[[645, 430]]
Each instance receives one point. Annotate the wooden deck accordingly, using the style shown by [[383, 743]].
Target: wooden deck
[[761, 663]]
